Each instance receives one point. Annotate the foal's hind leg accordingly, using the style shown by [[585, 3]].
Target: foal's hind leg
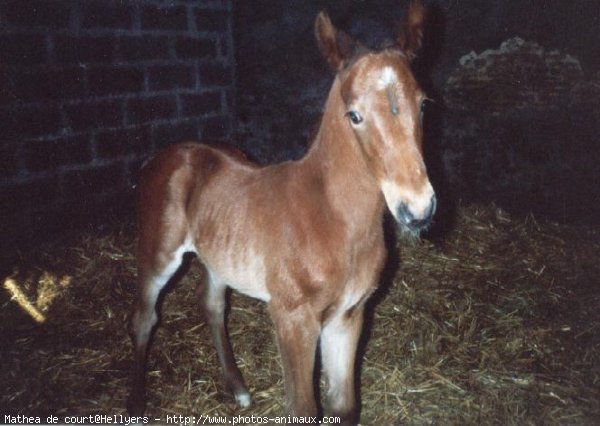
[[153, 275], [214, 307]]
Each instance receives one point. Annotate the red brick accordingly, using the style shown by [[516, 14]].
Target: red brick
[[29, 122], [150, 109], [193, 48], [37, 13], [201, 104], [115, 80], [101, 14], [95, 115], [142, 48], [22, 49], [211, 20], [164, 18], [171, 77], [85, 49], [123, 142], [215, 75], [50, 85], [49, 155]]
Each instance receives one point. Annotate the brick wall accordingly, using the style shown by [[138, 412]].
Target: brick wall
[[89, 89]]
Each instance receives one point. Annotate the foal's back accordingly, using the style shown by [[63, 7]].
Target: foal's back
[[245, 222]]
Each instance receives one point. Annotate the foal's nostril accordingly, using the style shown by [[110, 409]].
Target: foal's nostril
[[407, 217]]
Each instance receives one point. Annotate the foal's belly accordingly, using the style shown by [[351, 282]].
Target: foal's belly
[[244, 272]]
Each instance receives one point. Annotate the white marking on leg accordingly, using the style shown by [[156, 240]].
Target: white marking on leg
[[243, 399], [338, 349], [160, 280], [334, 357], [336, 336]]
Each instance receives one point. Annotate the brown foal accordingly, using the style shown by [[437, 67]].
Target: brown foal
[[304, 236]]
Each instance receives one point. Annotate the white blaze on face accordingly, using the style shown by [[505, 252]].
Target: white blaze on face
[[389, 83], [388, 77], [417, 202]]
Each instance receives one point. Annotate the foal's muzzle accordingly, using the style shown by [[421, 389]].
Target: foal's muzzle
[[416, 222]]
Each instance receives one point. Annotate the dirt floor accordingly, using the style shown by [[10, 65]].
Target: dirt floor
[[496, 322]]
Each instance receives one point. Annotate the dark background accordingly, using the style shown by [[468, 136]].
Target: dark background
[[90, 89], [517, 85]]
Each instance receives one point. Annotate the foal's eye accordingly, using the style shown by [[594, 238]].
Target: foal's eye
[[355, 117]]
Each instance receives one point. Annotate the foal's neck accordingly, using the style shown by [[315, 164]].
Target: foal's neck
[[349, 185]]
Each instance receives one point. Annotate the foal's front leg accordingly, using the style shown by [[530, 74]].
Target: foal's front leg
[[339, 340], [297, 335]]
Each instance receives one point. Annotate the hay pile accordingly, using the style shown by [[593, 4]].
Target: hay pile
[[495, 323]]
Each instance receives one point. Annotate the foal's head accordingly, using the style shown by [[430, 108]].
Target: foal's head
[[383, 104]]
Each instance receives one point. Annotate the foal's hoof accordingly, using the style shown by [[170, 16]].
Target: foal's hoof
[[243, 398], [136, 405]]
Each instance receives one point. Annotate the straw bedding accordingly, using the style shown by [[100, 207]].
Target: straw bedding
[[496, 322]]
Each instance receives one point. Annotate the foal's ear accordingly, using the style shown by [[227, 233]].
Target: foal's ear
[[336, 46], [411, 37]]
